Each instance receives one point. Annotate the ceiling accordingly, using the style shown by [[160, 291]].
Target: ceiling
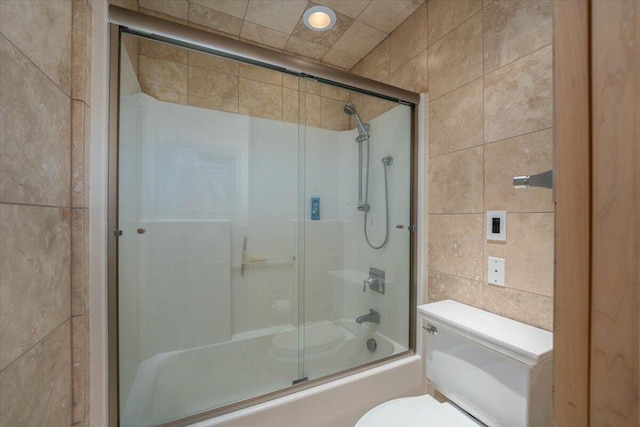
[[361, 24]]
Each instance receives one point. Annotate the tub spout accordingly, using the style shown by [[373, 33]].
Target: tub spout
[[373, 317]]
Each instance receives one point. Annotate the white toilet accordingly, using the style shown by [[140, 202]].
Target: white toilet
[[496, 371]]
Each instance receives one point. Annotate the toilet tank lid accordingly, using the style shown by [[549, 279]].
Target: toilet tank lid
[[525, 343]]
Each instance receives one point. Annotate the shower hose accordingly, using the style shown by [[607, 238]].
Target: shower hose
[[386, 161]]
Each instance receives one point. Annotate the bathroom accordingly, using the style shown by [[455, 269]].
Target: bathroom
[[256, 178]]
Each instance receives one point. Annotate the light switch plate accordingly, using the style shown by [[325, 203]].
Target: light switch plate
[[498, 218], [495, 271]]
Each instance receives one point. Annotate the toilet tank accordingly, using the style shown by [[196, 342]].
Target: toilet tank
[[496, 369]]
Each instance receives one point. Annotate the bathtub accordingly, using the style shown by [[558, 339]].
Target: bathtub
[[181, 383]]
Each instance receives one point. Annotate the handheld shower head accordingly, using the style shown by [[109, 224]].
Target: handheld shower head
[[350, 109]]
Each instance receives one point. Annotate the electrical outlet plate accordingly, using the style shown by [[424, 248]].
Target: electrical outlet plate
[[501, 218], [495, 271]]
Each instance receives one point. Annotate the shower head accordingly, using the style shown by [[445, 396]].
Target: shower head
[[350, 109]]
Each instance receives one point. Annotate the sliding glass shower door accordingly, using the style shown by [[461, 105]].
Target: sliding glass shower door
[[264, 231]]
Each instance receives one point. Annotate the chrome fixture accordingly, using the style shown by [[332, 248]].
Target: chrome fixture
[[543, 180], [372, 345], [363, 205], [376, 281], [431, 329], [363, 128], [372, 317]]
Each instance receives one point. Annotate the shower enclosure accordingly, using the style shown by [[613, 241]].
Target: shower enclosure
[[263, 229]]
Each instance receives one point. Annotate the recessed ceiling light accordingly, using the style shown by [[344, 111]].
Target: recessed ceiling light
[[319, 18]]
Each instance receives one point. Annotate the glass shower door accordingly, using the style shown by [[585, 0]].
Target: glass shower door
[[265, 231], [357, 229], [208, 206]]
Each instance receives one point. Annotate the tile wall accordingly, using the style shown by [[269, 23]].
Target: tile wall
[[487, 66], [45, 52], [181, 76]]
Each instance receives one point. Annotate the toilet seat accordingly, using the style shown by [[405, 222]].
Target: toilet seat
[[422, 411]]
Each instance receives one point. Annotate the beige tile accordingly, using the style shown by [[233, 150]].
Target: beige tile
[[332, 115], [164, 80], [213, 90], [235, 8], [311, 86], [290, 81], [523, 155], [409, 39], [445, 286], [158, 50], [261, 74], [535, 310], [529, 252], [87, 368], [88, 53], [386, 15], [412, 75], [35, 390], [334, 92], [290, 108], [312, 110], [445, 15], [455, 182], [340, 59], [518, 98], [77, 262], [176, 8], [164, 16], [359, 39], [373, 107], [279, 15], [351, 8], [78, 368], [213, 30], [77, 153], [35, 117], [304, 48], [86, 175], [456, 59], [263, 35], [260, 100], [35, 278], [42, 31], [456, 120], [127, 4], [376, 65], [86, 252], [515, 28], [131, 46], [78, 37], [357, 69], [214, 19], [323, 38], [456, 245], [213, 63]]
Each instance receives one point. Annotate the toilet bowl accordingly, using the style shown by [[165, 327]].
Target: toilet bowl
[[495, 372], [423, 411]]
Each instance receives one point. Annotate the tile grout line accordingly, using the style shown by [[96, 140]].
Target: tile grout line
[[68, 319], [519, 58], [37, 67], [490, 143], [482, 282]]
